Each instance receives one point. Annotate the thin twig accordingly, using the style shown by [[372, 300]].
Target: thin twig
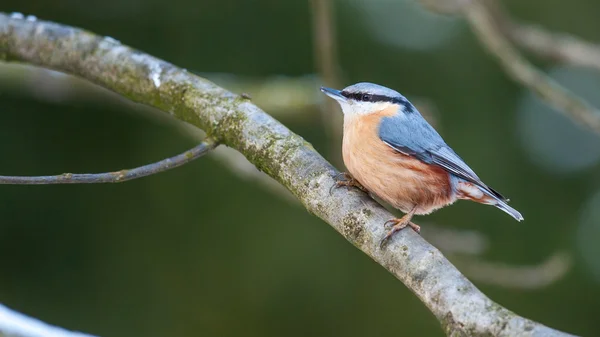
[[117, 176], [516, 277], [460, 307], [557, 47], [290, 98], [465, 247], [325, 49], [484, 17], [524, 72]]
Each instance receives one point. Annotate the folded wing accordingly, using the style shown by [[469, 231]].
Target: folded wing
[[411, 135]]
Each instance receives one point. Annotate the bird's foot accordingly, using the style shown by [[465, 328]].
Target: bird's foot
[[348, 181], [398, 225]]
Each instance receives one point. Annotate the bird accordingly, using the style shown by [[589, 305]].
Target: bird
[[392, 152]]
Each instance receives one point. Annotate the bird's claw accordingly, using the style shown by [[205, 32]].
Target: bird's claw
[[398, 225], [390, 223], [337, 181], [348, 181]]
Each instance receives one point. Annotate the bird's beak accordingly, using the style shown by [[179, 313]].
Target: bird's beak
[[335, 94]]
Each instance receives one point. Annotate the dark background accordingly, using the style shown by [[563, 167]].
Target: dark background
[[205, 251]]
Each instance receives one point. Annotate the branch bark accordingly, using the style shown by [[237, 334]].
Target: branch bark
[[234, 121]]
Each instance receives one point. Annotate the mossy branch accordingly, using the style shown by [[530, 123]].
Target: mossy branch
[[234, 121]]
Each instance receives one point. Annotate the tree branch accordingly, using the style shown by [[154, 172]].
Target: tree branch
[[234, 121], [117, 176], [555, 46], [490, 35], [325, 49], [559, 47], [14, 324], [491, 27]]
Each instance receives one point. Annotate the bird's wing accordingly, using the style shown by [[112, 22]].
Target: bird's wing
[[412, 135]]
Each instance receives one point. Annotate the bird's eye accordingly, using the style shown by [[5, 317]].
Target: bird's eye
[[366, 97]]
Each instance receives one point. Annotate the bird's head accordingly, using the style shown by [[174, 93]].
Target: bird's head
[[367, 98]]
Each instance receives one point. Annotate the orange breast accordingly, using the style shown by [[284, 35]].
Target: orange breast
[[400, 180]]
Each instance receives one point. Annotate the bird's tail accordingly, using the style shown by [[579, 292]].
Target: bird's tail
[[508, 210], [485, 195]]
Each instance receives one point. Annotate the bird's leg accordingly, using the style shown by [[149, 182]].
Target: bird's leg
[[399, 224], [347, 181]]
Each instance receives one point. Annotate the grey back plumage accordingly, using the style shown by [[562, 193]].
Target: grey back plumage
[[409, 133]]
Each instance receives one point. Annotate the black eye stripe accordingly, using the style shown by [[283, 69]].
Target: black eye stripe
[[366, 97]]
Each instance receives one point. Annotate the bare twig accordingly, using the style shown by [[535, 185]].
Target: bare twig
[[557, 47], [287, 97], [482, 16], [523, 71], [464, 248], [516, 277], [69, 88], [459, 306], [455, 241], [15, 324], [325, 49], [117, 176]]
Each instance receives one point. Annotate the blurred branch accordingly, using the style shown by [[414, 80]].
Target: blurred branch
[[464, 247], [490, 29], [288, 97], [117, 176], [325, 41], [234, 121], [239, 165], [516, 277], [325, 49], [455, 241], [556, 46], [15, 324]]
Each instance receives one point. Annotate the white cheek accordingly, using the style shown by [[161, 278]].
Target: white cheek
[[363, 108], [351, 109]]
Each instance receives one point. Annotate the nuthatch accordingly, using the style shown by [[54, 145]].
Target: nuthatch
[[391, 151]]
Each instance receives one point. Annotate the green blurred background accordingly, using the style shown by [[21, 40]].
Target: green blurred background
[[208, 250]]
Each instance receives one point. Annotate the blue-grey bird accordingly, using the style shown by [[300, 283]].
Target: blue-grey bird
[[391, 151]]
